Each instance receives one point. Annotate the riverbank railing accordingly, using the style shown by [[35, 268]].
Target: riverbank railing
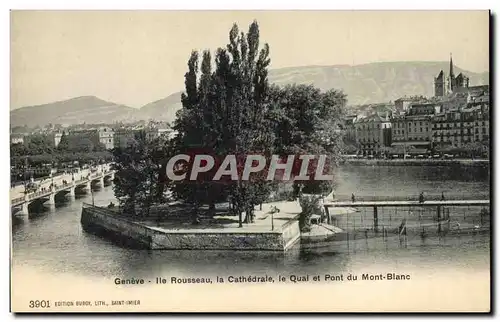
[[414, 197]]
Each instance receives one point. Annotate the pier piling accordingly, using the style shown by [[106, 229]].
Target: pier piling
[[439, 218]]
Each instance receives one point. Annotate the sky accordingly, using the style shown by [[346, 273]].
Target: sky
[[136, 57]]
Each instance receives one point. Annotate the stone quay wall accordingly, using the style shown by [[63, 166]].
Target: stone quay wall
[[112, 226]]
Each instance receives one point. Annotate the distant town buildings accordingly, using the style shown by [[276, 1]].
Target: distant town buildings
[[102, 136], [457, 115], [16, 138]]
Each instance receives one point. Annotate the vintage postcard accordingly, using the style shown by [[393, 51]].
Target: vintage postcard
[[250, 161]]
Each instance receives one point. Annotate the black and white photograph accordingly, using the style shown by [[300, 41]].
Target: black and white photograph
[[250, 161]]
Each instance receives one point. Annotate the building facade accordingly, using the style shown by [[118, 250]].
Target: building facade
[[403, 103], [106, 137], [457, 128], [17, 138], [413, 129], [373, 133]]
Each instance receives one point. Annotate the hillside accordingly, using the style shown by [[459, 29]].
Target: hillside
[[88, 109], [374, 82], [163, 109], [363, 84]]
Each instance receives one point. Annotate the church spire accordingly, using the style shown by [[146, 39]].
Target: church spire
[[452, 75]]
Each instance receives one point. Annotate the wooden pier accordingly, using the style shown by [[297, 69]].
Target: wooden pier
[[439, 204], [406, 203]]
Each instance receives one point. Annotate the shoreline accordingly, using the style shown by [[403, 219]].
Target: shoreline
[[418, 162], [280, 235]]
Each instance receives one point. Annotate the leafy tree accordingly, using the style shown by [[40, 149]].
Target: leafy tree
[[18, 149], [64, 143], [132, 174], [137, 178], [39, 144], [224, 112], [305, 122]]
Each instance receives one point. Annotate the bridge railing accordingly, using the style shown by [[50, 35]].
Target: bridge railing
[[16, 200], [475, 195], [66, 185], [37, 194]]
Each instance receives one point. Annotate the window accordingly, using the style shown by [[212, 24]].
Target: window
[[426, 129], [421, 130], [109, 140]]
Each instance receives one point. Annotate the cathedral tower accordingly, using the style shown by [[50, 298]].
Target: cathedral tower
[[441, 86]]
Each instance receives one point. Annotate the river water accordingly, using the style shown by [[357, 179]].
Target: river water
[[53, 242]]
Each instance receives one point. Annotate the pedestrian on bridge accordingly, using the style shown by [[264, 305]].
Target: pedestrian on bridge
[[442, 196], [353, 198], [421, 198]]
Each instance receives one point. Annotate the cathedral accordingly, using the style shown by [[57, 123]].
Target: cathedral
[[446, 85]]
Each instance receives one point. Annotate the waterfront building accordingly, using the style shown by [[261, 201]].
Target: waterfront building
[[373, 133], [459, 127], [413, 129], [348, 127]]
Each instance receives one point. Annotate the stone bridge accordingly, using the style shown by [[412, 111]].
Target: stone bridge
[[62, 184]]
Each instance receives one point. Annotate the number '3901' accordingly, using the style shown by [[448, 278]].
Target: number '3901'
[[39, 304]]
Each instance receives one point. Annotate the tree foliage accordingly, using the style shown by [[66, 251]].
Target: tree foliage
[[229, 108], [225, 112], [138, 183], [307, 122]]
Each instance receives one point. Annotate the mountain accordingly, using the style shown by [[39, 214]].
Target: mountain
[[88, 109], [374, 82], [163, 109], [363, 84]]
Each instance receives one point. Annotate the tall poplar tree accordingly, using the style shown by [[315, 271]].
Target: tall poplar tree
[[225, 112]]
